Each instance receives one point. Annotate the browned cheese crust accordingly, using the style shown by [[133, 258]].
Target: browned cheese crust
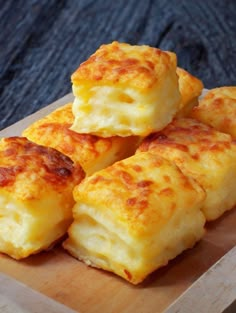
[[90, 151], [36, 199], [202, 153], [113, 64], [218, 109], [22, 163]]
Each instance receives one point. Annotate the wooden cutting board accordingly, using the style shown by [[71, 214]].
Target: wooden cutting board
[[88, 290]]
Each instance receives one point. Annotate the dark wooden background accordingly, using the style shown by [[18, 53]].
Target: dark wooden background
[[43, 41]]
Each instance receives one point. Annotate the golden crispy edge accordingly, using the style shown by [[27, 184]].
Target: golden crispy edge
[[183, 132], [54, 131], [62, 115], [218, 109], [190, 86], [19, 155], [120, 63], [225, 92]]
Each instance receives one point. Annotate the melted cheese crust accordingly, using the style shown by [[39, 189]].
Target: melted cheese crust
[[134, 216], [36, 198], [125, 90], [190, 88], [204, 154], [91, 152], [218, 109]]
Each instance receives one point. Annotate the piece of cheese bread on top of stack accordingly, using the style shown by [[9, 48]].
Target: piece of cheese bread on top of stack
[[134, 216], [125, 90], [218, 109], [203, 153], [36, 200], [190, 88], [91, 152]]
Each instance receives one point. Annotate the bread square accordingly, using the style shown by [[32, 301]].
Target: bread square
[[218, 109], [134, 216], [125, 90], [204, 154], [91, 152], [190, 88], [36, 198]]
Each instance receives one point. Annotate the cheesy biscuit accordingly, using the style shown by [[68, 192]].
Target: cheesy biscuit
[[204, 154], [218, 109], [36, 198], [134, 216], [125, 90]]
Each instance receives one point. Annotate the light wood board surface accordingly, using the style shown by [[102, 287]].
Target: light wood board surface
[[214, 291], [15, 297], [88, 290]]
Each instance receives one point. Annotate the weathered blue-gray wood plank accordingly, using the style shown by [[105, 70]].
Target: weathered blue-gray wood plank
[[42, 42]]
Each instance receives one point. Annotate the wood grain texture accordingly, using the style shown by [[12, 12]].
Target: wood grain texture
[[216, 289], [17, 297], [42, 42]]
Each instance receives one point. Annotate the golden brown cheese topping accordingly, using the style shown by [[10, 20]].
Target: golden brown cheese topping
[[184, 134], [132, 184], [204, 154], [73, 144], [62, 115], [21, 160], [113, 63], [90, 151], [218, 109]]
